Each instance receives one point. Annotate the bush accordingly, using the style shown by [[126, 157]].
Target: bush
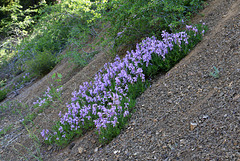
[[16, 20], [41, 64], [67, 23], [131, 21]]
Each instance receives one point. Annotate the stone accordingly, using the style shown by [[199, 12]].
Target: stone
[[236, 97], [136, 153], [96, 149], [193, 126], [116, 151], [80, 150], [205, 116], [169, 101]]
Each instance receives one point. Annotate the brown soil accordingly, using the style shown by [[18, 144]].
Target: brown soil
[[185, 114]]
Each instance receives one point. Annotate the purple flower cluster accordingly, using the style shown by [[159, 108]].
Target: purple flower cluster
[[194, 28], [44, 134], [47, 97], [103, 100], [26, 75], [161, 48]]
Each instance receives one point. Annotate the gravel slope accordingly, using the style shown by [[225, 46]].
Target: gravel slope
[[187, 114]]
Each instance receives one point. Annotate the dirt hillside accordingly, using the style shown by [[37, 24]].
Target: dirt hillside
[[185, 115]]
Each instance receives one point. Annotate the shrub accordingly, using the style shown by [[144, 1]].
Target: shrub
[[41, 64], [131, 21], [16, 19], [67, 23]]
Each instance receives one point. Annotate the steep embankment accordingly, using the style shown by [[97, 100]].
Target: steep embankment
[[185, 114]]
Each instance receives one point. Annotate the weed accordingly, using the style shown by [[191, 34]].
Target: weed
[[5, 130], [214, 74], [3, 83], [41, 64], [36, 142], [50, 96], [3, 94]]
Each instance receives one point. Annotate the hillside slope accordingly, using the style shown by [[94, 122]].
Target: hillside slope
[[185, 114]]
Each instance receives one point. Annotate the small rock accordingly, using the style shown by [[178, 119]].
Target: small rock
[[169, 101], [66, 159], [96, 149], [182, 142], [224, 141], [235, 143], [236, 97], [136, 153], [164, 146], [80, 150], [116, 151], [193, 126], [170, 146], [205, 116], [134, 123]]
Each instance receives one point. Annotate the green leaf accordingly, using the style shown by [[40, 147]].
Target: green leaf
[[58, 80], [54, 76], [59, 75]]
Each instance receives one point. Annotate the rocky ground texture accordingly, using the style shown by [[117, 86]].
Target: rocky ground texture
[[186, 114]]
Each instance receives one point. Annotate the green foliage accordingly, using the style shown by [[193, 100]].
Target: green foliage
[[53, 94], [3, 94], [3, 83], [41, 64], [5, 2], [15, 20], [15, 24], [132, 21], [175, 55], [5, 130], [67, 23], [75, 23], [82, 31]]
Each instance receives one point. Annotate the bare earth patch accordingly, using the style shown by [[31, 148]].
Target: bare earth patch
[[185, 115]]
